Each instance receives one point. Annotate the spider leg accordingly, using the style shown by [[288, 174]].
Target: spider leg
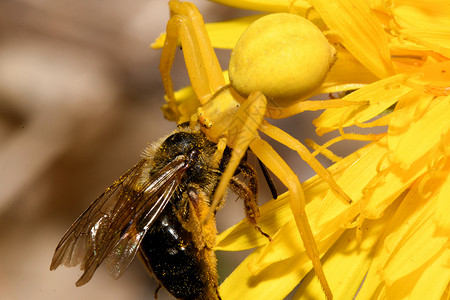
[[241, 134], [297, 201], [186, 25], [249, 173], [242, 130], [286, 139], [275, 111]]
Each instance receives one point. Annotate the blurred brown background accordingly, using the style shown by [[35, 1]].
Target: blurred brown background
[[80, 98]]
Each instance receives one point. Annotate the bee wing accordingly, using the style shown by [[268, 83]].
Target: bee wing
[[118, 260], [115, 223]]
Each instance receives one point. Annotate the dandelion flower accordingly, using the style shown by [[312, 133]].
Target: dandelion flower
[[393, 241]]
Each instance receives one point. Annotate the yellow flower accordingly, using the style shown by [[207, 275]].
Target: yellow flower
[[393, 241]]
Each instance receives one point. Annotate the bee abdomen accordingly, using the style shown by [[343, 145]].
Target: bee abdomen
[[172, 257]]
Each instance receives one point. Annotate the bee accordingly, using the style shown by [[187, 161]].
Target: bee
[[157, 210]]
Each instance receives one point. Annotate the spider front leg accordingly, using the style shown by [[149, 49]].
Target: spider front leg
[[236, 125], [297, 202], [241, 133], [186, 26]]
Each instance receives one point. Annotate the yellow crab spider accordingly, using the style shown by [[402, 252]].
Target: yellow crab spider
[[277, 63]]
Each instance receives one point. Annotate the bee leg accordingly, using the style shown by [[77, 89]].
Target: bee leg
[[205, 233], [249, 173], [240, 134], [269, 180], [249, 194]]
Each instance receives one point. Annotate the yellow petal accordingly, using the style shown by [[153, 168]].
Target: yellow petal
[[421, 26], [277, 212], [425, 23], [222, 34], [380, 95], [274, 214], [332, 213], [415, 241], [428, 130], [346, 74], [273, 283], [287, 243], [422, 40], [225, 34], [300, 6], [387, 185], [430, 79], [441, 215], [244, 236], [434, 76], [430, 282], [408, 243], [427, 15], [404, 115], [437, 271], [159, 42], [347, 262], [284, 263], [360, 31]]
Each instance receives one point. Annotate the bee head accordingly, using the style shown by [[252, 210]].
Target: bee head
[[193, 145], [180, 143]]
